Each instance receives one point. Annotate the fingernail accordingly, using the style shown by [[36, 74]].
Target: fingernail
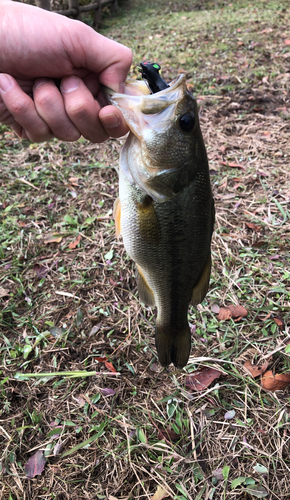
[[40, 81], [110, 120], [69, 84], [5, 83]]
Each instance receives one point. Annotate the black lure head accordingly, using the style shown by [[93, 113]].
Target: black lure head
[[150, 73]]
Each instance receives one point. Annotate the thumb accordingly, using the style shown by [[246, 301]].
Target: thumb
[[107, 58]]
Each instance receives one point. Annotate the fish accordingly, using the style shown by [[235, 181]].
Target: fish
[[165, 209]]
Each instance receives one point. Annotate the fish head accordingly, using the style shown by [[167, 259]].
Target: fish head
[[167, 136]]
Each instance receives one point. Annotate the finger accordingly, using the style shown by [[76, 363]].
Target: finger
[[104, 57], [22, 110], [82, 109], [113, 121], [50, 107]]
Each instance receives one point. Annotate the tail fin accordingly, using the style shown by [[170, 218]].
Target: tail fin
[[173, 346]]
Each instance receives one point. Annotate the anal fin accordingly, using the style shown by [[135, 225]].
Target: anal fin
[[145, 292], [200, 290]]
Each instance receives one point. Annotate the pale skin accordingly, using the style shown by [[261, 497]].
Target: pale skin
[[51, 69]]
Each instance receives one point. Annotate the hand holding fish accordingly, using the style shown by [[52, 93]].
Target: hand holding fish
[[165, 209], [51, 69]]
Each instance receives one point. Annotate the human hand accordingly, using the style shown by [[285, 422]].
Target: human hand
[[39, 47]]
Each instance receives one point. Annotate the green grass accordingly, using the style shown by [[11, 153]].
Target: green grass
[[72, 310]]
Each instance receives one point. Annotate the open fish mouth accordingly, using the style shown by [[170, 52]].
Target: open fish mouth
[[142, 109]]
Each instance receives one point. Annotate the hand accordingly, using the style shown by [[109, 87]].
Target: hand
[[39, 47]]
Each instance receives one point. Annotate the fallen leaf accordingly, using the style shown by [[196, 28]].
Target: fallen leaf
[[104, 359], [35, 465], [235, 312], [74, 181], [201, 379], [229, 414], [277, 382], [279, 322], [168, 434], [40, 270], [3, 292], [255, 370], [261, 469], [215, 308], [231, 164], [253, 226], [52, 239], [224, 314], [218, 473], [107, 392], [259, 244], [75, 243], [159, 494], [256, 490], [21, 223], [287, 42], [110, 367]]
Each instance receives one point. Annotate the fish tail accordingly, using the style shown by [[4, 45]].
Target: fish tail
[[173, 346]]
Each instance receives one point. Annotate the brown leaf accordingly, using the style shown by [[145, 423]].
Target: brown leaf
[[168, 434], [21, 223], [201, 379], [40, 270], [256, 370], [52, 239], [231, 164], [35, 465], [279, 322], [75, 243], [224, 314], [74, 181], [276, 382], [159, 494], [110, 367], [238, 311], [253, 226], [232, 311]]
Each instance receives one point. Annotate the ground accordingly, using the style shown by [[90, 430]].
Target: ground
[[69, 303]]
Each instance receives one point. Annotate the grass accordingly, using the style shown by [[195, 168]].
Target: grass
[[76, 310]]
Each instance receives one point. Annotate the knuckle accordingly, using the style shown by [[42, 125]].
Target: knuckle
[[77, 109]]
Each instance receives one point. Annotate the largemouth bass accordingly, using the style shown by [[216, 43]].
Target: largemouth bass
[[165, 209]]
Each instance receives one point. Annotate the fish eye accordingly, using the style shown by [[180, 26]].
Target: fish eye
[[187, 122]]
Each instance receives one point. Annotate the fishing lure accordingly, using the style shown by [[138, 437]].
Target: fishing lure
[[150, 73]]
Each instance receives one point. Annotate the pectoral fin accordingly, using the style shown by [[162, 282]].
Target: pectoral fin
[[145, 292], [200, 290], [117, 216], [148, 222]]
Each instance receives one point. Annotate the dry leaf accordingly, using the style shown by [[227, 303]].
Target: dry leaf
[[253, 226], [168, 434], [40, 270], [3, 292], [215, 308], [279, 322], [75, 243], [235, 312], [74, 181], [160, 493], [277, 382], [201, 379], [52, 239], [224, 314], [35, 465], [255, 370]]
